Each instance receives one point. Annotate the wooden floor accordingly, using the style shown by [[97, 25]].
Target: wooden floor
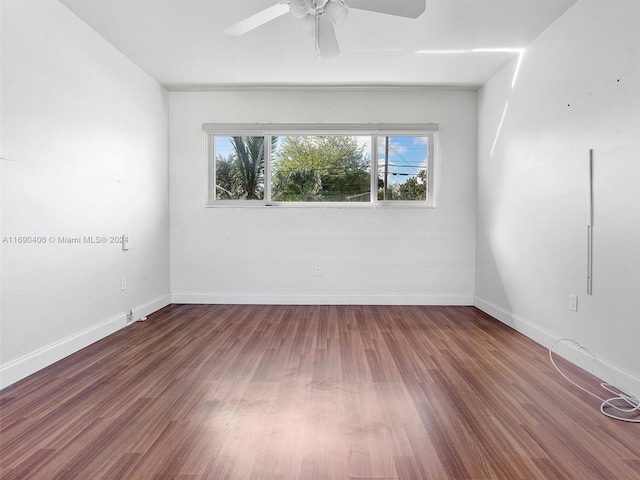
[[311, 392]]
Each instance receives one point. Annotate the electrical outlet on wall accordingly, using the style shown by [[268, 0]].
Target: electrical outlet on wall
[[573, 302]]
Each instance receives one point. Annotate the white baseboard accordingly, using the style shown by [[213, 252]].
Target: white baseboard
[[29, 364], [516, 322], [365, 299], [593, 364], [151, 306], [319, 299]]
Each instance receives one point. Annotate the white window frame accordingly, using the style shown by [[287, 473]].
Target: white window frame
[[212, 130]]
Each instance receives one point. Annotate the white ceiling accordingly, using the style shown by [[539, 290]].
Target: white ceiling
[[182, 43]]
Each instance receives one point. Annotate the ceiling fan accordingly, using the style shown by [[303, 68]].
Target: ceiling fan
[[318, 17]]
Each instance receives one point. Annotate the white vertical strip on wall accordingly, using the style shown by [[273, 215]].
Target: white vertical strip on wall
[[590, 229]]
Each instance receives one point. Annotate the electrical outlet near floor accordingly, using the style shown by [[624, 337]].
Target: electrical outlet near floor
[[573, 302]]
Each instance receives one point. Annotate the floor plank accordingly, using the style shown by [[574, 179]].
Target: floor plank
[[311, 392]]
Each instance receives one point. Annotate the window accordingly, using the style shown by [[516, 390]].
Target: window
[[403, 165], [239, 168], [321, 168], [320, 164]]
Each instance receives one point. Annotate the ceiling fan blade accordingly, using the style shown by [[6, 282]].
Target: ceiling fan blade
[[258, 19], [399, 8], [327, 41]]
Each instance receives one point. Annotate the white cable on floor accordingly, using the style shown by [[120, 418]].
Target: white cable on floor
[[623, 401]]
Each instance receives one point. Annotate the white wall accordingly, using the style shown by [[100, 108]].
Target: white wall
[[577, 89], [84, 153], [268, 254]]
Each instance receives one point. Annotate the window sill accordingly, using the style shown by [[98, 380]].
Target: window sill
[[331, 205]]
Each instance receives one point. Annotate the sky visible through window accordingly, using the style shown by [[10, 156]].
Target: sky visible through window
[[407, 156]]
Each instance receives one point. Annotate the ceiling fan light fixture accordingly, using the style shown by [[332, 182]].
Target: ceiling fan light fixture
[[336, 11], [308, 25], [298, 8]]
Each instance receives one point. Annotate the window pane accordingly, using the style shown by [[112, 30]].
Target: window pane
[[321, 168], [239, 168], [402, 167]]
